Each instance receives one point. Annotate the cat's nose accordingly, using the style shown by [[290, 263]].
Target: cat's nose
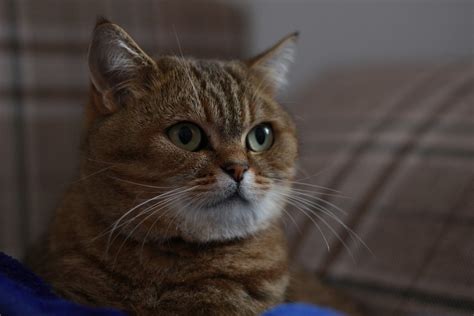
[[235, 170]]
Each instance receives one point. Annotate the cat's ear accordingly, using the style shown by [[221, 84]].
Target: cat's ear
[[116, 64], [273, 65]]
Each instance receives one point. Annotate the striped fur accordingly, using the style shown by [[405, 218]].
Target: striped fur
[[196, 254]]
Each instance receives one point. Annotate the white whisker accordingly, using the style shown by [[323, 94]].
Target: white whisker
[[93, 174], [306, 184], [156, 220], [292, 219], [140, 184], [165, 204], [352, 233], [196, 94], [304, 194], [321, 193], [166, 196], [313, 221], [115, 225], [327, 224]]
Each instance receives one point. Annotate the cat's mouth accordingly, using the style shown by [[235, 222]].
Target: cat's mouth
[[235, 197]]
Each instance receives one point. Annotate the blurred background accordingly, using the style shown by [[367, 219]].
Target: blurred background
[[383, 96]]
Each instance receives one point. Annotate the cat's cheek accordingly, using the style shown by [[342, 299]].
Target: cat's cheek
[[250, 189]]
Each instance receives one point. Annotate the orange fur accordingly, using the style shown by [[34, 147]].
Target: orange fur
[[189, 257]]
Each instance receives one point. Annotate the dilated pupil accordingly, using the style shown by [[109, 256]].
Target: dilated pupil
[[260, 135], [185, 135]]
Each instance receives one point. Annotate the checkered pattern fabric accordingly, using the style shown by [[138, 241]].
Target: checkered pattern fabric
[[399, 142]]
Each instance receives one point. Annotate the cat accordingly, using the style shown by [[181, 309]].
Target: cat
[[186, 165]]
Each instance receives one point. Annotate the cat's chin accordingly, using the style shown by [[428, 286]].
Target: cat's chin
[[232, 218], [220, 234]]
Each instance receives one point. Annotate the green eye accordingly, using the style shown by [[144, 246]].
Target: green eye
[[260, 137], [187, 136]]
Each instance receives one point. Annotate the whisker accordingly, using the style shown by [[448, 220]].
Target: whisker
[[99, 161], [290, 201], [308, 176], [305, 173], [93, 174], [355, 237], [142, 185], [172, 221], [328, 225], [321, 193], [303, 194], [321, 208], [153, 224], [156, 220], [185, 69], [168, 195], [314, 222], [325, 168], [165, 204], [114, 226], [166, 212], [146, 210], [292, 219], [306, 184]]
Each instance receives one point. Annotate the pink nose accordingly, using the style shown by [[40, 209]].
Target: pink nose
[[235, 170]]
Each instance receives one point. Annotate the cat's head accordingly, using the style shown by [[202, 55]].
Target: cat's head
[[182, 147]]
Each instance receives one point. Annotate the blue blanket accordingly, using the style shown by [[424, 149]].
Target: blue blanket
[[23, 293]]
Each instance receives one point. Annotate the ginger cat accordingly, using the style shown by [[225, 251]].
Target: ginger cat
[[186, 166]]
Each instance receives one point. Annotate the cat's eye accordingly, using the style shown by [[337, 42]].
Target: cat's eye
[[187, 136], [260, 137]]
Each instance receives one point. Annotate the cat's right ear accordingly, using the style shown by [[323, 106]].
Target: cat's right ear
[[116, 65]]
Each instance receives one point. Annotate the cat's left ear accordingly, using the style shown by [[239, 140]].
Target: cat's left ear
[[273, 65]]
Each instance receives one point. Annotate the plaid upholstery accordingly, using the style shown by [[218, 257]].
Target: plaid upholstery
[[44, 85], [400, 142]]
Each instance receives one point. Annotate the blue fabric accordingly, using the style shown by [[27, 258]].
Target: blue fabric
[[23, 293], [299, 309]]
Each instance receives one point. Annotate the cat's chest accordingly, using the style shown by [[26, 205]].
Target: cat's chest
[[159, 270]]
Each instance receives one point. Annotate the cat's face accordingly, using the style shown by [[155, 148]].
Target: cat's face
[[203, 141]]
